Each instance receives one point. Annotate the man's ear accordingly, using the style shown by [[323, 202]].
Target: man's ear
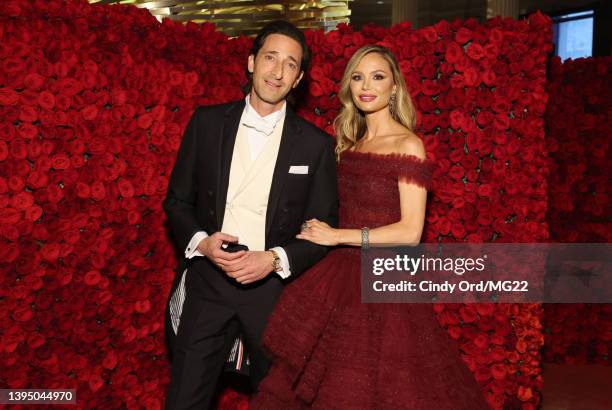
[[297, 80], [251, 63]]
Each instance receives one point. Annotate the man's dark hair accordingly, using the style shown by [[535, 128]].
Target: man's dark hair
[[286, 29]]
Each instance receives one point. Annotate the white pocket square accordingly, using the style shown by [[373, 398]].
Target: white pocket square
[[298, 169]]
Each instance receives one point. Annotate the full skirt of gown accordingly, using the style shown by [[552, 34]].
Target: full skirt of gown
[[330, 351]]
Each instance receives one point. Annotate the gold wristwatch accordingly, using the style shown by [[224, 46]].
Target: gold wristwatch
[[276, 262]]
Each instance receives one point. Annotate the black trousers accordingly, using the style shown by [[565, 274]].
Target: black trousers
[[213, 305]]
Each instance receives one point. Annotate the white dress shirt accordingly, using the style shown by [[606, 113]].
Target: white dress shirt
[[260, 128]]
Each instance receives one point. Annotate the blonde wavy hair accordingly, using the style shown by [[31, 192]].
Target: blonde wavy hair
[[350, 123]]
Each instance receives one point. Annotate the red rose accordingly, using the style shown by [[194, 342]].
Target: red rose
[[524, 393], [475, 51], [501, 122], [129, 334], [521, 346], [133, 217], [95, 382], [83, 190], [484, 117], [457, 119], [54, 193], [458, 203], [498, 371], [484, 309], [60, 161], [456, 172], [429, 33], [70, 86], [454, 332], [125, 188], [453, 53], [9, 232], [485, 190], [481, 341], [458, 230], [471, 76], [443, 226], [35, 340], [22, 313], [92, 277], [142, 306], [430, 87], [468, 314], [104, 296], [471, 175], [8, 96], [90, 112], [98, 191], [28, 114], [33, 81], [489, 77], [27, 131], [482, 374], [498, 354], [22, 200], [18, 149], [463, 35], [175, 78], [110, 361], [16, 183], [145, 121], [62, 102]]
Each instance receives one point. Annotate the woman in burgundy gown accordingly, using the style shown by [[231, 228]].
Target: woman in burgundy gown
[[329, 350]]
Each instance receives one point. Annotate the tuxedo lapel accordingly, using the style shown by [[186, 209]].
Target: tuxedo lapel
[[289, 142], [231, 121]]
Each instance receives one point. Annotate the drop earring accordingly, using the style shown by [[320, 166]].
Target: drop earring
[[392, 104]]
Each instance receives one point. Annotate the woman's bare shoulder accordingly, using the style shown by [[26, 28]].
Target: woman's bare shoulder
[[408, 143]]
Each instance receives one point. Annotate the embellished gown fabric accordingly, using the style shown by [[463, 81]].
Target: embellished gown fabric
[[330, 351]]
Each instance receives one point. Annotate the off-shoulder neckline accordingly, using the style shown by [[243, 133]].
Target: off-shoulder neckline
[[391, 155]]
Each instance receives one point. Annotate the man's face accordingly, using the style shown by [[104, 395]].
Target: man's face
[[276, 69]]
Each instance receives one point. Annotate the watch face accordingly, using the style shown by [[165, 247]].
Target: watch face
[[277, 264]]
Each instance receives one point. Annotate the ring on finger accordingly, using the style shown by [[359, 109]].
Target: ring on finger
[[305, 226]]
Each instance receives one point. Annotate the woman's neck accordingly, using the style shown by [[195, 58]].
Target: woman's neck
[[378, 123]]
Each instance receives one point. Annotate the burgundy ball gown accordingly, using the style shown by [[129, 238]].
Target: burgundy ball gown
[[330, 351]]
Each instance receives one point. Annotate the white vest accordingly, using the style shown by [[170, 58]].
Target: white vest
[[249, 188]]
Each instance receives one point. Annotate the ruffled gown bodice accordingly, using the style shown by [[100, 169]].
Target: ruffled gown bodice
[[368, 190]]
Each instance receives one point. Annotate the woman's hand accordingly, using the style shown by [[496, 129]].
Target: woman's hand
[[318, 232]]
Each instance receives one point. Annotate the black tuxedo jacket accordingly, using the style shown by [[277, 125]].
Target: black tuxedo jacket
[[198, 184]]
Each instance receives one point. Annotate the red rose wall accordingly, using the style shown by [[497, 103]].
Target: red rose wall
[[578, 137], [93, 103]]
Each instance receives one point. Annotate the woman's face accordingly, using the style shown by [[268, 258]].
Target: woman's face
[[372, 83]]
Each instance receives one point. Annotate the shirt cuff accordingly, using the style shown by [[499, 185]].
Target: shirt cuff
[[192, 246], [285, 272]]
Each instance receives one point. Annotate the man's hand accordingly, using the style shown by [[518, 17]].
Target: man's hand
[[211, 248], [251, 267]]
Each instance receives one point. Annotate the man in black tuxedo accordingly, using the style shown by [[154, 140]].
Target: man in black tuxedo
[[247, 173]]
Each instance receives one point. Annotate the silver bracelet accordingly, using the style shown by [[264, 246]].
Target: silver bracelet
[[365, 238]]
